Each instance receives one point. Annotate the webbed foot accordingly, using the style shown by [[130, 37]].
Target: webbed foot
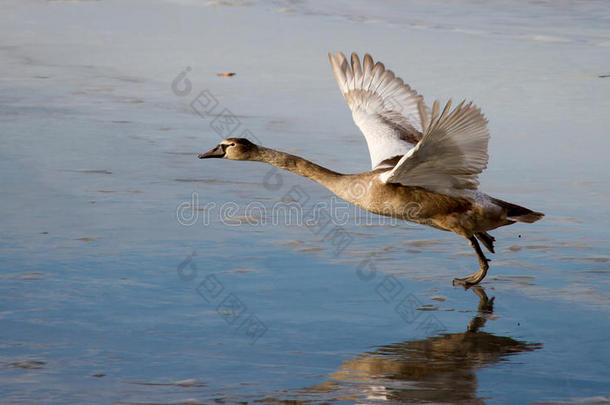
[[473, 279]]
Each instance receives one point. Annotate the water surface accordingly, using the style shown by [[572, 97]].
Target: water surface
[[115, 291]]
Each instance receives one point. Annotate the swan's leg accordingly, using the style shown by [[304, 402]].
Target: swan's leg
[[475, 278], [487, 240]]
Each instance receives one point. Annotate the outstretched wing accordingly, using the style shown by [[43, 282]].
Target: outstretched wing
[[389, 113], [451, 154]]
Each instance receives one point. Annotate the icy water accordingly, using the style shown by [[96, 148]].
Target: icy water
[[131, 272]]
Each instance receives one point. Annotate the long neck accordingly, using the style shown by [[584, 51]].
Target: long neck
[[302, 167]]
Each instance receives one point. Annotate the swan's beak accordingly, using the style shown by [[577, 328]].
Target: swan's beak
[[217, 152]]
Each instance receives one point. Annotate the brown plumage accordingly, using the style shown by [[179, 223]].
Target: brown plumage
[[425, 164]]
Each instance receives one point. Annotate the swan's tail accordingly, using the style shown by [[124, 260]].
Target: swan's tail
[[518, 213]]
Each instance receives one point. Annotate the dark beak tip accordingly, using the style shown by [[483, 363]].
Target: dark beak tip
[[214, 153]]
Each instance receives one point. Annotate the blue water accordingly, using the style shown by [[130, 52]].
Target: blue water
[[131, 272]]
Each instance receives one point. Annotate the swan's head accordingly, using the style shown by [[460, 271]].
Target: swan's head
[[234, 149]]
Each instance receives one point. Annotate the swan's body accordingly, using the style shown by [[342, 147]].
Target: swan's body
[[425, 164]]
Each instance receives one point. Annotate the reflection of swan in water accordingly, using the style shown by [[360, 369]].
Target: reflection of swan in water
[[437, 369]]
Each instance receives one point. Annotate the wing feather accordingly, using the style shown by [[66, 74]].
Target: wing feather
[[391, 115], [357, 69], [451, 154]]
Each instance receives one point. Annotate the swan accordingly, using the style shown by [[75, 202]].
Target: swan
[[425, 163]]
